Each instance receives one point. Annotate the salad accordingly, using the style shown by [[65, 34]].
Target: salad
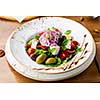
[[52, 48]]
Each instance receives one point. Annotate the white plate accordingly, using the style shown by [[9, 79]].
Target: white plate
[[20, 61], [43, 76]]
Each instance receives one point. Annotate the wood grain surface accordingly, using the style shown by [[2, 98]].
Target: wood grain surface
[[9, 75]]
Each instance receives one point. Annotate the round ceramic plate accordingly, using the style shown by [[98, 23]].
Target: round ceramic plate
[[17, 56], [32, 74]]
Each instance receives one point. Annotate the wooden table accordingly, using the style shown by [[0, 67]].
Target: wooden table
[[9, 75]]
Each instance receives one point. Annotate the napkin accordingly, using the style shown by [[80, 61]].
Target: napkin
[[19, 18]]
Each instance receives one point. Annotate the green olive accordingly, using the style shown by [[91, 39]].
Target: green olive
[[41, 58], [50, 61]]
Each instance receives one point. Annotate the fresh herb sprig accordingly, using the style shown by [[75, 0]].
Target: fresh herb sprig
[[64, 43], [39, 51], [68, 32]]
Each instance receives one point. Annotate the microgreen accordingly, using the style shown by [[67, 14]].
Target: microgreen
[[39, 51], [36, 37], [30, 41], [50, 51], [64, 43], [68, 32], [77, 49]]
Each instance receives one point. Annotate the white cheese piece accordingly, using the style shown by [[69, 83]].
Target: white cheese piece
[[56, 51], [34, 43]]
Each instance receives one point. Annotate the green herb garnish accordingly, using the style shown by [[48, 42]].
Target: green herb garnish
[[50, 51], [30, 41], [36, 37], [68, 32], [59, 61], [39, 51], [50, 29], [63, 47], [68, 58], [64, 43], [77, 49]]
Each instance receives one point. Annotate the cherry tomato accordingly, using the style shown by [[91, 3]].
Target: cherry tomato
[[75, 43], [41, 33], [28, 45], [66, 53], [70, 51], [62, 55], [57, 30], [30, 51], [72, 45], [42, 47]]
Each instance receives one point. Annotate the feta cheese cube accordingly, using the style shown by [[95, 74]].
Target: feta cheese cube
[[34, 43]]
